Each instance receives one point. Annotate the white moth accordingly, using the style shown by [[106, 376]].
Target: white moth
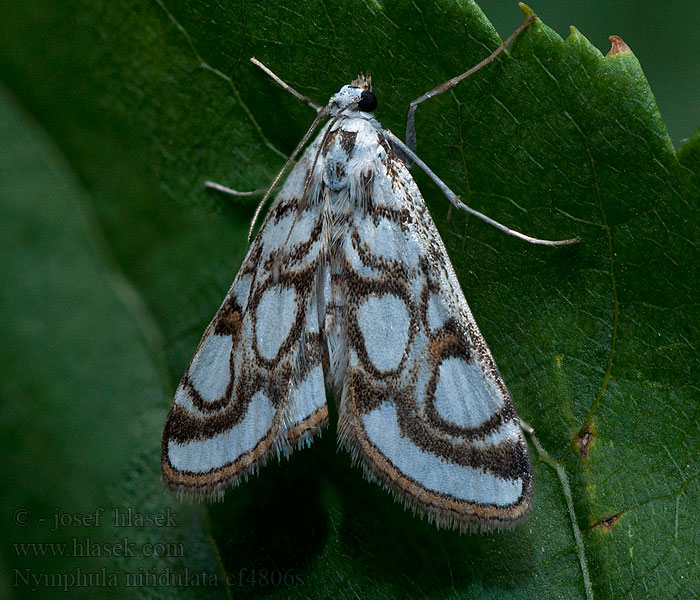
[[348, 285]]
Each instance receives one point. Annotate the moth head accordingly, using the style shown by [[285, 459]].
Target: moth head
[[356, 97]]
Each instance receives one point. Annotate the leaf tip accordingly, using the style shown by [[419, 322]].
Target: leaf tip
[[527, 11], [617, 46]]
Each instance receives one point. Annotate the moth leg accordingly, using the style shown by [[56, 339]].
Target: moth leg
[[448, 85], [212, 185], [457, 203], [322, 113], [285, 86], [526, 427]]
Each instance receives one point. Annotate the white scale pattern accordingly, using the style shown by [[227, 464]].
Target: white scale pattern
[[466, 483], [384, 324], [483, 400], [275, 314], [210, 363], [218, 450]]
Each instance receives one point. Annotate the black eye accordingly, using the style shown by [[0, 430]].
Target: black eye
[[368, 102]]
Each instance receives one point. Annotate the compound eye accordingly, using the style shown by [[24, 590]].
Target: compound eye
[[368, 102]]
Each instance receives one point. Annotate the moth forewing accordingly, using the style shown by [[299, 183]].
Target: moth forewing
[[255, 386], [422, 405]]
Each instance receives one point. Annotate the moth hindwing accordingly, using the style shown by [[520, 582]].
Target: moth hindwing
[[348, 285]]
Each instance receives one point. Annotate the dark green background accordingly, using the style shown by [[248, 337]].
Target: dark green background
[[114, 259]]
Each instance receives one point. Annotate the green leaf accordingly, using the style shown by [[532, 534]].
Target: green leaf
[[82, 390], [116, 259]]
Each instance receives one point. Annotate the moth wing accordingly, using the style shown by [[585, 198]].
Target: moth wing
[[255, 385], [423, 406]]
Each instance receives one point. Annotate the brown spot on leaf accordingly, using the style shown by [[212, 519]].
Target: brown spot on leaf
[[609, 522], [584, 439], [618, 45]]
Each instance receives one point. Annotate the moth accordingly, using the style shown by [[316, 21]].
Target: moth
[[348, 286]]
